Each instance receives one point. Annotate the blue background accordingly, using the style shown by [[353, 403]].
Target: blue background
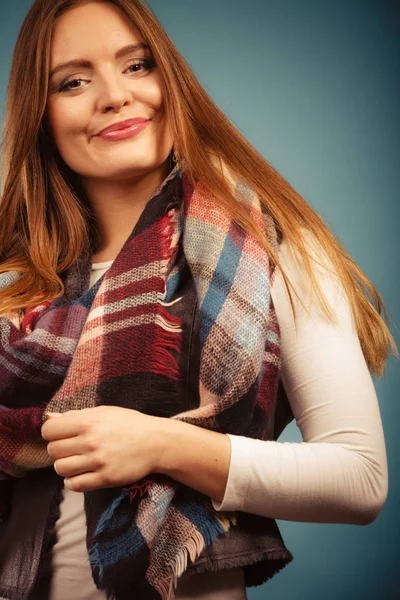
[[314, 86]]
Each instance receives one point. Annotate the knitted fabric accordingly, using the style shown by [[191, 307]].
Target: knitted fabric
[[109, 344]]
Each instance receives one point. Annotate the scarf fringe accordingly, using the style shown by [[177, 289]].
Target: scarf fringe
[[171, 303], [163, 361], [192, 549], [138, 488]]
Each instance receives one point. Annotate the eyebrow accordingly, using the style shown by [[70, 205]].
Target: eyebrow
[[76, 63]]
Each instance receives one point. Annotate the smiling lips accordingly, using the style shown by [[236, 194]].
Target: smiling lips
[[123, 129]]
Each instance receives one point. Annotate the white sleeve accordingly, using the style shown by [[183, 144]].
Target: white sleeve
[[338, 473]]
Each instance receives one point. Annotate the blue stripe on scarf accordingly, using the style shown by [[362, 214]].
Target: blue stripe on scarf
[[225, 272], [108, 553], [171, 285], [261, 293], [201, 516], [108, 515], [105, 554], [87, 298], [250, 330]]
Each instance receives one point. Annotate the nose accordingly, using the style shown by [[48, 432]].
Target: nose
[[113, 93]]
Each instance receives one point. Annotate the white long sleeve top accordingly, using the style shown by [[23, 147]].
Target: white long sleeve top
[[339, 472]]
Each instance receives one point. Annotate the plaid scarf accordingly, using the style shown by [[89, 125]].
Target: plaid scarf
[[119, 337]]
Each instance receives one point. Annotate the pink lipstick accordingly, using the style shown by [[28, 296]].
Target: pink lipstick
[[123, 129]]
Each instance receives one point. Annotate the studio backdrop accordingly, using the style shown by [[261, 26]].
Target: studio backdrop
[[314, 86]]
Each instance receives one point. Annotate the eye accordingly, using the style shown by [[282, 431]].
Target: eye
[[144, 65], [69, 85]]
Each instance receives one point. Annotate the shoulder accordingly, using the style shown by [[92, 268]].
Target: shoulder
[[292, 260], [325, 274]]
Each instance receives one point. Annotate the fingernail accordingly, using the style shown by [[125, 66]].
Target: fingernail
[[53, 414]]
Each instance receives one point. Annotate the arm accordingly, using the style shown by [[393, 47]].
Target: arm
[[338, 473]]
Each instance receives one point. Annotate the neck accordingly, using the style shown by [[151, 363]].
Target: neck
[[116, 219]]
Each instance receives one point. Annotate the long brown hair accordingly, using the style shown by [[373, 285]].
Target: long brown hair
[[45, 222]]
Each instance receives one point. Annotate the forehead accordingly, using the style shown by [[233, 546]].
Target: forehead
[[94, 28]]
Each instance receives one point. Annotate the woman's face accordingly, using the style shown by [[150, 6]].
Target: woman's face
[[108, 83]]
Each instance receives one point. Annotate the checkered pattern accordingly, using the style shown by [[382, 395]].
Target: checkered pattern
[[110, 343]]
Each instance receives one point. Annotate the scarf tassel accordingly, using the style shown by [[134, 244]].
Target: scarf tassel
[[193, 548], [138, 488], [168, 343]]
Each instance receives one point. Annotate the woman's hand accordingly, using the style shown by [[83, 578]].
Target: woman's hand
[[105, 446]]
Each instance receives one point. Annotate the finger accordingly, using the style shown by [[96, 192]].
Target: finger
[[73, 465], [86, 482], [66, 447], [63, 427]]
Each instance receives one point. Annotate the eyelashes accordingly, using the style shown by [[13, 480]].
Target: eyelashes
[[145, 64]]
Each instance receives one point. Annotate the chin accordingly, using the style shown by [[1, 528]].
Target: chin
[[117, 174], [115, 170], [125, 172]]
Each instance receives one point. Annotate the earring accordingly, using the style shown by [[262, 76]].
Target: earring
[[175, 160]]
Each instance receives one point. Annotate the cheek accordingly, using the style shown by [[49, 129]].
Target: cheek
[[153, 94], [66, 120]]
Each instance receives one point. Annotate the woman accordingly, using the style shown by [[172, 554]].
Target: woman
[[139, 338]]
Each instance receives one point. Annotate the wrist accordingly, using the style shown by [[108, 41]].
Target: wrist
[[194, 456], [162, 441], [166, 436]]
